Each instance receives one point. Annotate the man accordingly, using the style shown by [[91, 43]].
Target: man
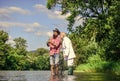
[[68, 52], [55, 44]]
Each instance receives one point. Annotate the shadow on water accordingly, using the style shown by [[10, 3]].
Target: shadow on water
[[62, 78], [45, 76]]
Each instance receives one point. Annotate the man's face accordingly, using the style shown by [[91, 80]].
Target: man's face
[[55, 34], [61, 35]]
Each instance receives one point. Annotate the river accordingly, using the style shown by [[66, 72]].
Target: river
[[45, 76]]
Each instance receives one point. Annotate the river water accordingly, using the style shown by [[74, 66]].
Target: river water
[[45, 76]]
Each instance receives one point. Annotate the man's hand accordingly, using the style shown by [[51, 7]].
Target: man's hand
[[51, 43], [48, 42], [65, 57]]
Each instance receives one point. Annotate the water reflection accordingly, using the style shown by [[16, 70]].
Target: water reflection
[[97, 77], [45, 76], [55, 78], [63, 78]]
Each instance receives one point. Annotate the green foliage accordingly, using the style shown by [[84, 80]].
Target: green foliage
[[3, 36], [50, 3], [99, 35], [18, 58], [3, 48], [12, 60], [20, 45], [102, 66], [94, 59], [96, 64], [86, 48], [96, 67], [38, 61], [41, 51], [116, 67], [42, 63]]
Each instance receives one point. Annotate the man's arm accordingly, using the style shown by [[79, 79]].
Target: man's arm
[[67, 47], [51, 44], [58, 43]]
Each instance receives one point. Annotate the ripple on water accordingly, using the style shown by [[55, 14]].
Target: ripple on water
[[45, 76]]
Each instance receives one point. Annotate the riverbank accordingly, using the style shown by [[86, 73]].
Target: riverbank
[[103, 66]]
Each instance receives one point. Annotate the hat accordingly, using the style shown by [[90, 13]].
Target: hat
[[56, 30]]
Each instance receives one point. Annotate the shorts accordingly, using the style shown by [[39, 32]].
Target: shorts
[[54, 59]]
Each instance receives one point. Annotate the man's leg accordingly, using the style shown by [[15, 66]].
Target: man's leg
[[56, 64], [52, 70], [52, 65], [70, 66], [56, 69]]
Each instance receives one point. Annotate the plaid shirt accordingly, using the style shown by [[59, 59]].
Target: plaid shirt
[[55, 49]]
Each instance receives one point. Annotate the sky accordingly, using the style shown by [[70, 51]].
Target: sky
[[31, 20]]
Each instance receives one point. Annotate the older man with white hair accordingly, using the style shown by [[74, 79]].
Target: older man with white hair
[[68, 52]]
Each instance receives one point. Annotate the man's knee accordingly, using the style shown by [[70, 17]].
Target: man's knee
[[52, 66], [56, 65]]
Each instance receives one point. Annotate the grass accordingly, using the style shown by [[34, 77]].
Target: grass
[[101, 66]]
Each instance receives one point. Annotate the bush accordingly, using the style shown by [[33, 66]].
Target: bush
[[96, 64], [102, 66]]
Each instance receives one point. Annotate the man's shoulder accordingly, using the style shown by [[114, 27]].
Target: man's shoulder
[[66, 38]]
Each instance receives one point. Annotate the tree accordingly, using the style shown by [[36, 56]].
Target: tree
[[113, 48], [97, 9], [41, 51], [3, 50], [20, 45], [99, 34], [39, 59], [18, 58], [7, 61]]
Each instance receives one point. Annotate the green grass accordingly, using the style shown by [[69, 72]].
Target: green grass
[[101, 66]]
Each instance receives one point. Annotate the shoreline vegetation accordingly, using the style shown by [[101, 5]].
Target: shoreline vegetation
[[104, 67], [96, 64]]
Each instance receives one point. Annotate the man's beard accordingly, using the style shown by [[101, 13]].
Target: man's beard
[[54, 36]]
